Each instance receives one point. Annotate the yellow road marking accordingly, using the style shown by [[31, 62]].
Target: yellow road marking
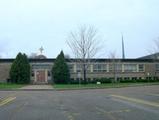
[[154, 94], [119, 111], [113, 111], [137, 100], [70, 117], [7, 100]]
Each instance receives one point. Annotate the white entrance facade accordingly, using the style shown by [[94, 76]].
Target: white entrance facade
[[41, 76], [41, 73]]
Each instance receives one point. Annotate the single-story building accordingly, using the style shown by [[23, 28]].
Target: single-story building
[[41, 66]]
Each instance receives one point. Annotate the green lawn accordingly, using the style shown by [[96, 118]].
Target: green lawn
[[108, 85], [10, 86]]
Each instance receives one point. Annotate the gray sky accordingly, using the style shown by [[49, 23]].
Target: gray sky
[[26, 25]]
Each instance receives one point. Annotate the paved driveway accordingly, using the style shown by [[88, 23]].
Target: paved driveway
[[133, 103]]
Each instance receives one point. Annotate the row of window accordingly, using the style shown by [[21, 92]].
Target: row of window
[[48, 73], [157, 67], [120, 78], [110, 68]]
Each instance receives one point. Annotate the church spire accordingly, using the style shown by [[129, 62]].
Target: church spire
[[123, 50]]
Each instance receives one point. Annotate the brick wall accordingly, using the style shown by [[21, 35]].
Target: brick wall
[[4, 71]]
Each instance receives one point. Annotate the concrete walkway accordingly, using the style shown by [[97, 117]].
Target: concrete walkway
[[37, 87]]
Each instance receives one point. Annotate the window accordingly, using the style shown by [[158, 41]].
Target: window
[[157, 67], [41, 66], [71, 68], [88, 67], [141, 68], [140, 78], [32, 73], [118, 67], [134, 78], [99, 67], [119, 78], [79, 67], [88, 79], [126, 78], [111, 67], [130, 67], [48, 73], [115, 67]]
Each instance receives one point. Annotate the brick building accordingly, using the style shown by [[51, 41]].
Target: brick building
[[140, 68]]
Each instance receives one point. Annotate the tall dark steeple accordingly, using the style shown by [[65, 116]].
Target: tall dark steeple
[[123, 50]]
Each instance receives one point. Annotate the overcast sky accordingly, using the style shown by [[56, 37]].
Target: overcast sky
[[26, 25]]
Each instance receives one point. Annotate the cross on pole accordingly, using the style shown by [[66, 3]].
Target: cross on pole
[[41, 49]]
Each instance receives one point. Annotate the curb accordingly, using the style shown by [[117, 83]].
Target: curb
[[27, 90]]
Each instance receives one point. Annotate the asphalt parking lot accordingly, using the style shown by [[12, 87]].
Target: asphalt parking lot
[[132, 103]]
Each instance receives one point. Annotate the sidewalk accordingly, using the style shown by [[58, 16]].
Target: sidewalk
[[37, 87]]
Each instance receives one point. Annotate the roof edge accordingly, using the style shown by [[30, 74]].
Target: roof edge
[[92, 60]]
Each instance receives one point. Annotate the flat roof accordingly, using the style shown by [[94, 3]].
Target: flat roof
[[91, 60]]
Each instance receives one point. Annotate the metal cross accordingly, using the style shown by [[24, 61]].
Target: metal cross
[[41, 49]]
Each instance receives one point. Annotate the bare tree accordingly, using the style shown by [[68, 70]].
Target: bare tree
[[112, 57], [154, 56], [3, 48], [67, 56], [115, 64], [85, 45], [154, 50], [33, 55]]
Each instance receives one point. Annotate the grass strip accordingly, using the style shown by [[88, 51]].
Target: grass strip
[[106, 85]]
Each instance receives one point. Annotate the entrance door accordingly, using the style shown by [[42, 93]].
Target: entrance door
[[40, 76]]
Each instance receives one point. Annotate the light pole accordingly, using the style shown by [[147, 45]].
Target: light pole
[[79, 76], [148, 74]]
